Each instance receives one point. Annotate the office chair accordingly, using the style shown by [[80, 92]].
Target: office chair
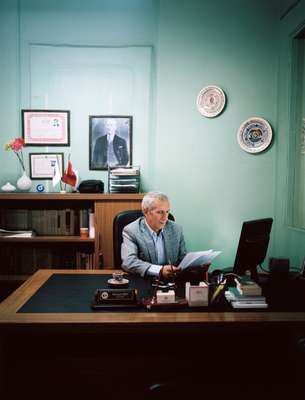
[[119, 222]]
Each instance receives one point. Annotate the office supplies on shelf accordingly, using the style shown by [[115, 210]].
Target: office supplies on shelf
[[124, 179], [16, 233]]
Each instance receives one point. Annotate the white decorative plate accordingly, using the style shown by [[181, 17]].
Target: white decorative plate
[[254, 135], [211, 101]]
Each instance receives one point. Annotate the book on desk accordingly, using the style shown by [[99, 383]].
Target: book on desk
[[239, 300]]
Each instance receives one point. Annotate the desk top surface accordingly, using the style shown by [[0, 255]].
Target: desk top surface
[[10, 315]]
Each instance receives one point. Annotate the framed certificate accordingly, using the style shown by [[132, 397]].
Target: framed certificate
[[42, 164], [46, 127]]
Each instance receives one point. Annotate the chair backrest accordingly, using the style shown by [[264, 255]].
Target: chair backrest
[[119, 222]]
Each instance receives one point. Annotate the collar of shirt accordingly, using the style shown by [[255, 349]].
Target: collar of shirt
[[154, 234]]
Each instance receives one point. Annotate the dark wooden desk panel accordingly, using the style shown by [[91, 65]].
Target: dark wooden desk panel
[[91, 352]]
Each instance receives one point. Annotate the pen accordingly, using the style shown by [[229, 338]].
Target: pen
[[169, 263], [218, 290]]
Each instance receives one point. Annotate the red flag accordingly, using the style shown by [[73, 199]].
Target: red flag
[[69, 176]]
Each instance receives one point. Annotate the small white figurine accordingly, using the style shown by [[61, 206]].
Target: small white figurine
[[8, 187]]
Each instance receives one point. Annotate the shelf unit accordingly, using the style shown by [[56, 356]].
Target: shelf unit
[[104, 206], [46, 239]]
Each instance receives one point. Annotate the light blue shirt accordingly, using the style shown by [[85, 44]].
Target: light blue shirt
[[154, 270]]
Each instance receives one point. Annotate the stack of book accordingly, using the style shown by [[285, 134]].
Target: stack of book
[[246, 294], [16, 233], [124, 180], [248, 287], [43, 221]]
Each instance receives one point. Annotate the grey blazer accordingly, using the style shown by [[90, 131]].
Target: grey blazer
[[138, 249]]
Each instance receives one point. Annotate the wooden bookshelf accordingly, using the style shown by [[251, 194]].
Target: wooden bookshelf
[[104, 206], [46, 239]]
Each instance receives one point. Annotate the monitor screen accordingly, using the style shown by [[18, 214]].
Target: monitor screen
[[252, 246]]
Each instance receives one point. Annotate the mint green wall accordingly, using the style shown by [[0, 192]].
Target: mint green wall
[[76, 55], [9, 88], [213, 184], [289, 242]]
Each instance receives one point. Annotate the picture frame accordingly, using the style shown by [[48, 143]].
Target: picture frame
[[42, 165], [119, 129], [46, 127]]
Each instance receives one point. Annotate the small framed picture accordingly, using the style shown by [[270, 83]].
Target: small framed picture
[[110, 141], [46, 127], [42, 164]]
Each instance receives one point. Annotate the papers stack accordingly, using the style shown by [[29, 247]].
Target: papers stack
[[15, 233], [197, 258]]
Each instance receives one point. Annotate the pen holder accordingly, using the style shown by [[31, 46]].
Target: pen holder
[[197, 295]]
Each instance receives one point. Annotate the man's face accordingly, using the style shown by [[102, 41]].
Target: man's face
[[158, 216], [110, 127]]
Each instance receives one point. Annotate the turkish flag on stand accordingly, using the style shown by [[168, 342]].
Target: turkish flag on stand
[[69, 176]]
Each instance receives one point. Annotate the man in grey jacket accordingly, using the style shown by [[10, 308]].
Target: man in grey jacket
[[153, 245]]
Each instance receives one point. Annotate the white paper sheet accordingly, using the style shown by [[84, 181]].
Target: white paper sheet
[[197, 258]]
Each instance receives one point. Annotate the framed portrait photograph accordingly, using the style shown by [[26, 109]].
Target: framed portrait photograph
[[110, 141], [42, 164], [46, 127]]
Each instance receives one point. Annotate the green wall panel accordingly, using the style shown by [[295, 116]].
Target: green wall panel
[[241, 45]]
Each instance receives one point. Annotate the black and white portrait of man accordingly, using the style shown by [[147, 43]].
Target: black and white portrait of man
[[110, 141]]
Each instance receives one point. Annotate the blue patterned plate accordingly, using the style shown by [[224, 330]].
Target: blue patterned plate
[[254, 135]]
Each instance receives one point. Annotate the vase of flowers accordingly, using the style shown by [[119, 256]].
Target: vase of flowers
[[24, 182]]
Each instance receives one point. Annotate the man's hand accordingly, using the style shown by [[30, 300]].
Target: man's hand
[[169, 271]]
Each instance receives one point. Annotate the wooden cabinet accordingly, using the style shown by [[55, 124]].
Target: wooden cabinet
[[104, 206]]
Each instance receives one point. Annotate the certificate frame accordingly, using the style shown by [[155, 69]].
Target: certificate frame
[[46, 127], [42, 165]]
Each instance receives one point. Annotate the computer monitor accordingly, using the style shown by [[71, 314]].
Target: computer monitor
[[252, 246]]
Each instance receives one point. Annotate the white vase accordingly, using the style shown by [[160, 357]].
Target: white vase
[[24, 182]]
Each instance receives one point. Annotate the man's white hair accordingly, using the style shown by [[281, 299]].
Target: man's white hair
[[150, 198]]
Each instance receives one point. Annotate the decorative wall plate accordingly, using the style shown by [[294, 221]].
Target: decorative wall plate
[[211, 101], [254, 135]]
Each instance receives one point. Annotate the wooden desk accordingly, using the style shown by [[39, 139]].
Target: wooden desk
[[103, 322], [108, 347]]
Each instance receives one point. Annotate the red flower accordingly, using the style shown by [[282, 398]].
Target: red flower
[[17, 144]]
